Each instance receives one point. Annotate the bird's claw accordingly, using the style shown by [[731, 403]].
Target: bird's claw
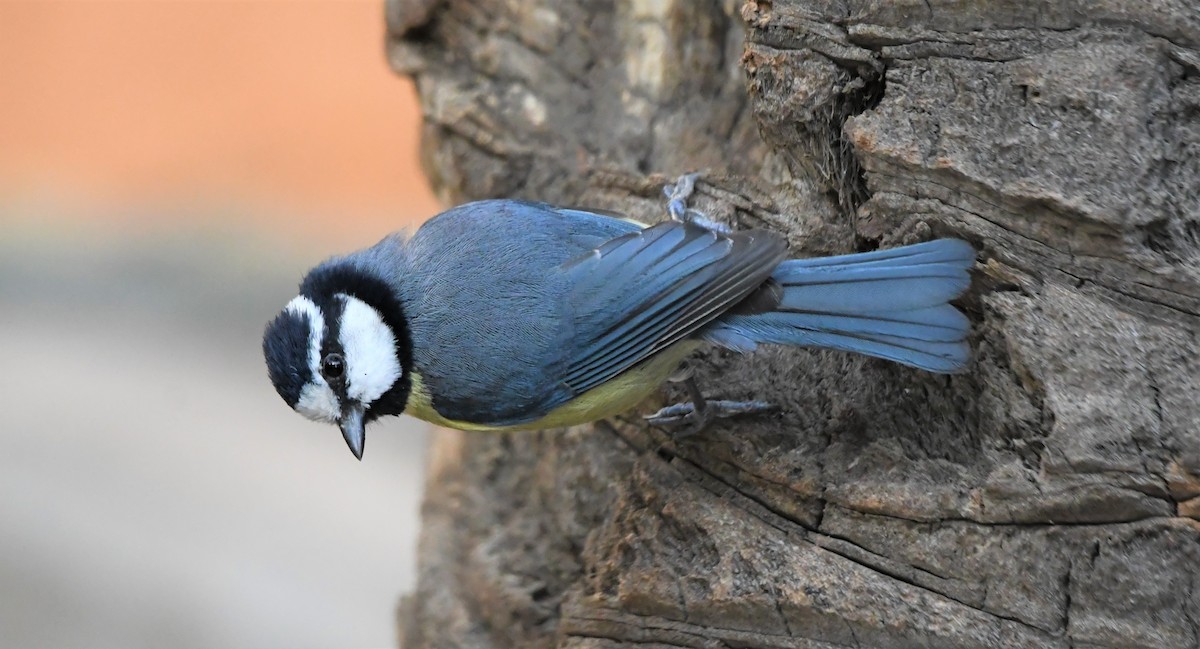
[[678, 193], [682, 414]]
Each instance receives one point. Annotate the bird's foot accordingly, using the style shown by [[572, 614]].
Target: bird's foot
[[678, 194], [685, 414], [693, 416]]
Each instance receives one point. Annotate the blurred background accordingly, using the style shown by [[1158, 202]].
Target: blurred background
[[168, 170]]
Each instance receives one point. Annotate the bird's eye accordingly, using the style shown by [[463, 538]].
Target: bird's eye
[[333, 366]]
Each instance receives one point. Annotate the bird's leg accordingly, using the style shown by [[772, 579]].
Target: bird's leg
[[697, 413], [677, 197]]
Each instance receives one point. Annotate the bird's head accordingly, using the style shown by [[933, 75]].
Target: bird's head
[[339, 352]]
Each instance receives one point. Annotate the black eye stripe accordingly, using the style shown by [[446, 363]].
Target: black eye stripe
[[331, 309], [331, 312]]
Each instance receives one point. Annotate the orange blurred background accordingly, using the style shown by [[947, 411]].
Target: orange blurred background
[[288, 106], [168, 171]]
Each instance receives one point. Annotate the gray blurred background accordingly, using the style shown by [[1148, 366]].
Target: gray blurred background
[[167, 173]]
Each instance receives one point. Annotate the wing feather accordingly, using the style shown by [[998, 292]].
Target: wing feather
[[642, 292]]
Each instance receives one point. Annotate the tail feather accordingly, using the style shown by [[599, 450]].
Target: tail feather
[[955, 251], [890, 304], [942, 323], [869, 290]]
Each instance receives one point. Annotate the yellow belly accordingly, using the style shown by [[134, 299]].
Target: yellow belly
[[611, 398]]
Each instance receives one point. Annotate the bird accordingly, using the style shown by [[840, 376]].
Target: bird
[[508, 314]]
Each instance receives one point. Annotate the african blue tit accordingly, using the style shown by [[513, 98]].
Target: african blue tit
[[509, 315]]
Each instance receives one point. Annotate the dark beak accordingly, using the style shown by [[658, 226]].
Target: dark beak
[[353, 429]]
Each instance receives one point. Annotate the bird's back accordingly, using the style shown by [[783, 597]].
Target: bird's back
[[487, 307]]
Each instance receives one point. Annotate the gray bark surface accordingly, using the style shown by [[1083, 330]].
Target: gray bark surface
[[1050, 497]]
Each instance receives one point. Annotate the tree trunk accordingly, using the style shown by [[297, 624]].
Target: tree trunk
[[1049, 497]]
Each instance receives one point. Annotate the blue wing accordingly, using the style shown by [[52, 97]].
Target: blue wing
[[645, 291]]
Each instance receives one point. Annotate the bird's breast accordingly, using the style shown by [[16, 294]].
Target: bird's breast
[[613, 397]]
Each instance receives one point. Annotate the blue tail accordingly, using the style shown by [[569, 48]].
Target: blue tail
[[890, 304]]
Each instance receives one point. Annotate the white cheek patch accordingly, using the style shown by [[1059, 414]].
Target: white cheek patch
[[319, 403], [317, 400], [370, 349], [301, 305]]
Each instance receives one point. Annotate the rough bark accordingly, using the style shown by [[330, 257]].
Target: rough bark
[[1049, 497]]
